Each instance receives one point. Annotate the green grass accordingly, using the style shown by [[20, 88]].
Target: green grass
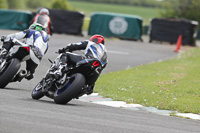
[[173, 84], [88, 8]]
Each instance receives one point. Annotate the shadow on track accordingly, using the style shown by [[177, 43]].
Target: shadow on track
[[52, 102], [9, 88]]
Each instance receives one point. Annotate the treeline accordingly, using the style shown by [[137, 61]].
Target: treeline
[[144, 3], [34, 4], [186, 9]]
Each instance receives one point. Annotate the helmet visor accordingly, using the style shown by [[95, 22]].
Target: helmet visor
[[38, 28]]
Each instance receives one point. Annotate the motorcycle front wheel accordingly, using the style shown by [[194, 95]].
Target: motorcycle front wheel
[[37, 91], [70, 89], [8, 72]]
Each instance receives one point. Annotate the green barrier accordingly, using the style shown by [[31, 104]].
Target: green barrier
[[198, 34], [116, 25], [145, 30], [14, 20]]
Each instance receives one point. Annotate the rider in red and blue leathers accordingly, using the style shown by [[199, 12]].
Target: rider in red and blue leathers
[[94, 48]]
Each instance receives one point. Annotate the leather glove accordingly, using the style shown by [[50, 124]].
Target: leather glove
[[61, 50]]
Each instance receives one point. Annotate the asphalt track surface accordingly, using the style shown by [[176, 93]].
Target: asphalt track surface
[[19, 113]]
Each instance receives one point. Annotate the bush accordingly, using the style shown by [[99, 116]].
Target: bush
[[15, 4], [34, 4], [60, 4], [187, 9], [4, 4]]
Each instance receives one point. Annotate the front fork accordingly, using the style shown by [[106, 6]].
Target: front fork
[[47, 87], [51, 84], [54, 78]]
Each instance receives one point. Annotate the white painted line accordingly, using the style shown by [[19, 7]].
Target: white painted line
[[118, 104], [118, 52], [189, 115]]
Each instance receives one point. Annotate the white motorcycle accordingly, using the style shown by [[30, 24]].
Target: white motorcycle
[[10, 63]]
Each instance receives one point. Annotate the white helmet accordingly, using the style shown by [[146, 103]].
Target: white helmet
[[44, 11]]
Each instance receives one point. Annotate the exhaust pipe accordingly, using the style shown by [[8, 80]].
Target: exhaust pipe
[[20, 76], [22, 73]]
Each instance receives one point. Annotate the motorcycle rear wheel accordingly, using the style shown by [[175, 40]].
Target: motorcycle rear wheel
[[70, 90], [9, 71]]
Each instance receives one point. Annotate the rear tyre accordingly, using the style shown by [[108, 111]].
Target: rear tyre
[[37, 91], [9, 71], [70, 90]]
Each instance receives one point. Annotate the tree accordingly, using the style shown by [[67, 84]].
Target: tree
[[60, 4], [15, 4], [34, 4], [4, 4], [188, 9], [193, 12]]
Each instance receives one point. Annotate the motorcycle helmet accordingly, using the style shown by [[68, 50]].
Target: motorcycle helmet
[[36, 26], [44, 11], [97, 39]]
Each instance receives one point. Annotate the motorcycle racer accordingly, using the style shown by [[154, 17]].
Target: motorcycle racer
[[43, 18], [36, 38], [94, 48]]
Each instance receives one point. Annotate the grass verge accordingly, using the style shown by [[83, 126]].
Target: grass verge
[[172, 85]]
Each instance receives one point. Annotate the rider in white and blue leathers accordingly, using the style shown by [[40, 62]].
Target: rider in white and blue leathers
[[36, 38]]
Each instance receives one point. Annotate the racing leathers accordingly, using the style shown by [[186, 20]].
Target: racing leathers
[[38, 42], [91, 50]]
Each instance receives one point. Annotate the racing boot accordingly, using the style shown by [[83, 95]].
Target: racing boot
[[90, 89], [29, 75]]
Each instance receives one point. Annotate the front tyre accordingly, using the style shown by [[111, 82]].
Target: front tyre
[[70, 89], [37, 91], [8, 72]]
